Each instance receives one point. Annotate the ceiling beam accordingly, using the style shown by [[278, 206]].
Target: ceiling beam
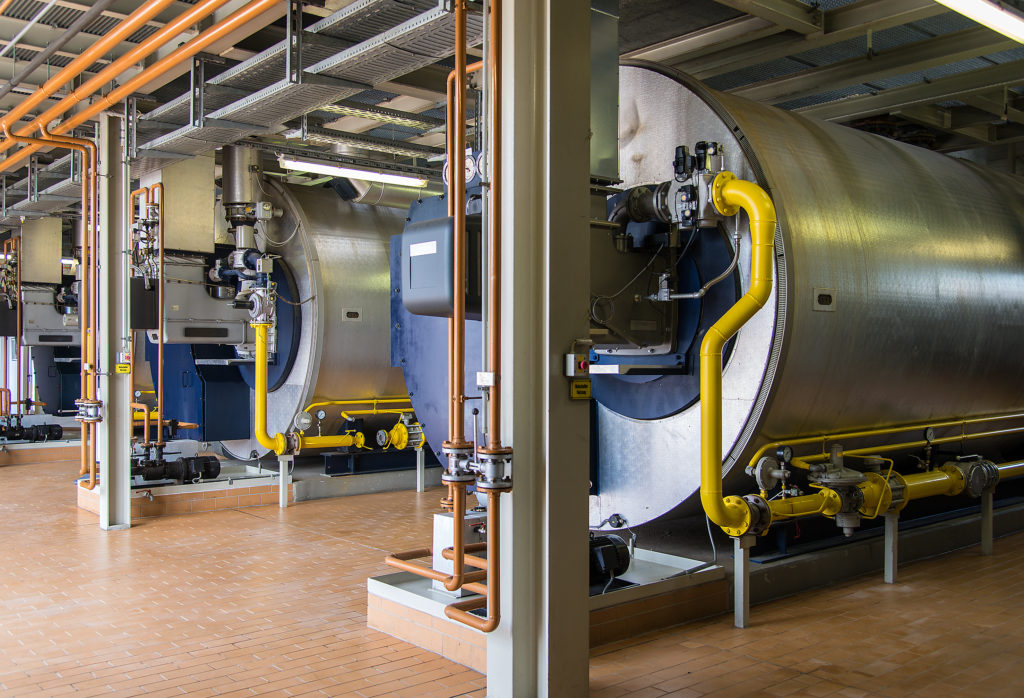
[[106, 13], [41, 34], [734, 32], [986, 133], [940, 90], [1000, 104], [841, 24], [788, 14], [919, 55]]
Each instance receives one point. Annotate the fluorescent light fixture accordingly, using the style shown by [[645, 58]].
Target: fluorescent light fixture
[[992, 14], [289, 162], [68, 260]]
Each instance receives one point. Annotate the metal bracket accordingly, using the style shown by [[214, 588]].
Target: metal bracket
[[33, 178], [293, 37], [197, 90], [131, 111]]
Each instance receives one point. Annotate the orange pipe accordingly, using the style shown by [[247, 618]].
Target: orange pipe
[[460, 610], [126, 28], [165, 64], [457, 187], [494, 236], [458, 577], [16, 251], [87, 308], [130, 58], [145, 423], [159, 187], [4, 5]]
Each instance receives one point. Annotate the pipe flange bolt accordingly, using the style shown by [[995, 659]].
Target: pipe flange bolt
[[981, 477], [760, 514]]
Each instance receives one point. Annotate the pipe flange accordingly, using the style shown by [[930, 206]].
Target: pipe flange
[[980, 477], [463, 449], [898, 488], [502, 485], [90, 410], [760, 514]]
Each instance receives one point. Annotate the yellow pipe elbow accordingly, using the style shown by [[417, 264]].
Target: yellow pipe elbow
[[730, 195]]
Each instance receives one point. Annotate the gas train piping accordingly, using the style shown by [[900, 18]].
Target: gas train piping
[[488, 466]]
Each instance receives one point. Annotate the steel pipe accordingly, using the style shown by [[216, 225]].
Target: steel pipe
[[24, 30]]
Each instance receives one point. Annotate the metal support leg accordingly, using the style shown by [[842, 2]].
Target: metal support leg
[[285, 465], [741, 580], [986, 523], [421, 470], [892, 535]]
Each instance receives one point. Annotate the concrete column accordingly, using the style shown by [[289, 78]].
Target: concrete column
[[284, 469], [541, 646], [114, 433]]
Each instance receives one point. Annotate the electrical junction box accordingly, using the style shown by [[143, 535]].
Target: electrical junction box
[[428, 267]]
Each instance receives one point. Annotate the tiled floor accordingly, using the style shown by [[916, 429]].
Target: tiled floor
[[264, 601], [253, 601], [952, 626]]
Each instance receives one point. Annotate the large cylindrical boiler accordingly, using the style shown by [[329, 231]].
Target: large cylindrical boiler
[[898, 296], [337, 253]]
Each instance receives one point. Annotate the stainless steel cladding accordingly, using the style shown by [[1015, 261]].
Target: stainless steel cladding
[[899, 293], [338, 253], [240, 168]]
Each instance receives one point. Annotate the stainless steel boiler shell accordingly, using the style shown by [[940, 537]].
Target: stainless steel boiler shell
[[923, 256], [339, 255]]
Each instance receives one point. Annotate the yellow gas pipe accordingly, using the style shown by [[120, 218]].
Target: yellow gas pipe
[[733, 514], [278, 443]]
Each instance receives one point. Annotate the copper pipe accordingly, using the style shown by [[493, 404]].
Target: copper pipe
[[108, 41], [87, 309], [159, 187], [494, 237], [457, 185], [145, 423], [133, 56], [459, 576], [181, 54], [472, 560], [459, 610], [16, 253]]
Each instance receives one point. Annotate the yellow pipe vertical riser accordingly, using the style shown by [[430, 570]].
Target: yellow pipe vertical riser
[[276, 443], [730, 194]]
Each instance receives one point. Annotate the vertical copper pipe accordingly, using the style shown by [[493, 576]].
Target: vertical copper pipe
[[494, 236], [456, 429], [16, 253], [87, 295], [159, 187]]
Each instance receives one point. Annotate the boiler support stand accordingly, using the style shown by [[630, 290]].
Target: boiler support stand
[[892, 535], [284, 465], [741, 579]]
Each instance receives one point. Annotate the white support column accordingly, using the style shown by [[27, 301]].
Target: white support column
[[284, 465], [741, 580], [541, 647], [421, 470], [114, 432], [892, 540], [986, 522]]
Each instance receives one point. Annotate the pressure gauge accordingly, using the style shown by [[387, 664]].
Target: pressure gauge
[[303, 421], [784, 454], [321, 414], [470, 170], [929, 434]]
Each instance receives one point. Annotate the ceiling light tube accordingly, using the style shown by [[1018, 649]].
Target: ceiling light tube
[[332, 170], [997, 16]]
